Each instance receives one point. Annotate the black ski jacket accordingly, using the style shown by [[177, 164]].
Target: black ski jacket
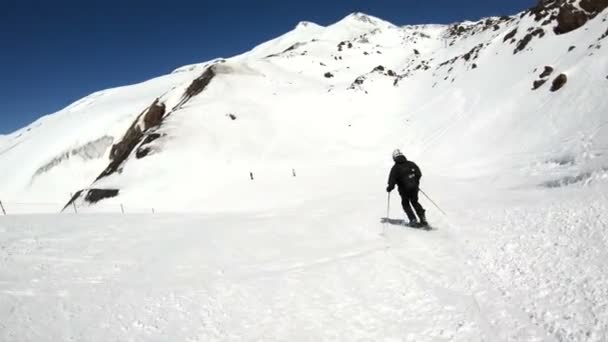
[[404, 173]]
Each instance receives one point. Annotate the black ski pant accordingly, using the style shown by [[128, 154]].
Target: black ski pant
[[410, 196]]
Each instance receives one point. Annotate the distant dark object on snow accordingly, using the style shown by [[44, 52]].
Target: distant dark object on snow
[[547, 72], [538, 83], [559, 82]]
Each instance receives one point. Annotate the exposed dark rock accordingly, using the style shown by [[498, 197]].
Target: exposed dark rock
[[328, 75], [559, 82], [121, 150], [538, 83], [96, 195], [547, 22], [232, 117], [357, 82], [92, 196], [73, 199], [379, 68], [350, 45], [150, 118], [510, 35], [197, 86], [571, 48], [521, 45], [544, 8], [143, 150], [547, 72], [449, 61], [569, 19], [416, 52], [594, 6], [154, 117], [474, 66], [604, 35], [457, 30], [391, 73], [293, 47]]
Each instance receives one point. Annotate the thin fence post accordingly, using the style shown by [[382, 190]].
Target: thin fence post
[[122, 208], [153, 211], [3, 211], [73, 203], [293, 171]]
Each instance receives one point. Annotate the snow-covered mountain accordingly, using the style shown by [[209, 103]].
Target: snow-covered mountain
[[324, 99], [507, 118]]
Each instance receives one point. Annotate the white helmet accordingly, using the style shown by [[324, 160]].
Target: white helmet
[[397, 153]]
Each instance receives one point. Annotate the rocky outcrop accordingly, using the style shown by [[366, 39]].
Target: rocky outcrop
[[92, 196], [197, 86], [566, 13], [594, 6], [510, 35], [547, 72], [523, 43], [144, 149], [538, 83], [559, 82], [604, 35], [150, 117], [141, 133], [569, 19], [544, 77]]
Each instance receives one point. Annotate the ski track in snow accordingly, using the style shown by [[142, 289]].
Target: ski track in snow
[[203, 278]]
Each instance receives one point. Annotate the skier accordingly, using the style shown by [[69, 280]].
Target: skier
[[406, 175]]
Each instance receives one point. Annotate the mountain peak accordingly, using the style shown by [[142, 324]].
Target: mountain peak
[[306, 25], [367, 19]]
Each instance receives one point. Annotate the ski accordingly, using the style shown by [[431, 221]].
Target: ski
[[404, 223]]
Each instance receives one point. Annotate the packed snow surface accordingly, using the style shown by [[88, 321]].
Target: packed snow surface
[[206, 253]]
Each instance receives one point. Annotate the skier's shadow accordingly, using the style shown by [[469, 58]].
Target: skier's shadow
[[403, 223], [397, 222]]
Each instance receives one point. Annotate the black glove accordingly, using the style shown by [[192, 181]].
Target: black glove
[[389, 188]]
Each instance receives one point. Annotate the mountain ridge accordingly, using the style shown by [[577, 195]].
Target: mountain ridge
[[337, 75]]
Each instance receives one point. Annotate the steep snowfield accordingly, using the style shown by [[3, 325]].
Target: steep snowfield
[[521, 174]]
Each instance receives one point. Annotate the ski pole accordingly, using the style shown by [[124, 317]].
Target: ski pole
[[388, 205], [435, 204]]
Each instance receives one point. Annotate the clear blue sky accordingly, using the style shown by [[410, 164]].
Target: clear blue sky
[[53, 52]]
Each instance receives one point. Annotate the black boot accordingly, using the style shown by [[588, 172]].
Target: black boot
[[423, 221]]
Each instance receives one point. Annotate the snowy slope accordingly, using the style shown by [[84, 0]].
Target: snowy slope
[[315, 97], [521, 173]]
